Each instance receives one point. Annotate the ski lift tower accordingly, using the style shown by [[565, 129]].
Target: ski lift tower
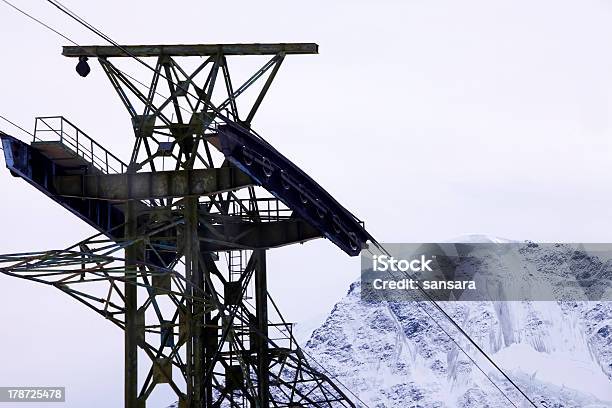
[[179, 260]]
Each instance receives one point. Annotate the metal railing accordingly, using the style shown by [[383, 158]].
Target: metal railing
[[267, 209], [60, 129], [282, 335]]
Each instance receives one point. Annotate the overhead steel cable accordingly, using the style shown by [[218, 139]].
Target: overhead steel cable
[[16, 125], [78, 45], [108, 39], [59, 33], [465, 334], [455, 341], [38, 21]]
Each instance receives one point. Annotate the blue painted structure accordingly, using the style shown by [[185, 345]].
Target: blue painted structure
[[33, 166], [287, 182]]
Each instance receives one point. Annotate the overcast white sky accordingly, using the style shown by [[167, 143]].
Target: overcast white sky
[[427, 119]]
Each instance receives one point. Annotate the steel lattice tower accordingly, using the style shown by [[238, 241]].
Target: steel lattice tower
[[179, 263]]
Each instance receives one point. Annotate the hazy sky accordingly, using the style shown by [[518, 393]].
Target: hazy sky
[[427, 119]]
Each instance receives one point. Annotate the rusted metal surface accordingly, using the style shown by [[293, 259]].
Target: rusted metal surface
[[258, 235], [193, 50], [152, 185]]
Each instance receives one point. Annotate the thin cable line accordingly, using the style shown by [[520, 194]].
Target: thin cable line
[[418, 303], [16, 125], [107, 38], [38, 21], [465, 334], [80, 46]]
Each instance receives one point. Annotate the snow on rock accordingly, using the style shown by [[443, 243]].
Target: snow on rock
[[394, 355]]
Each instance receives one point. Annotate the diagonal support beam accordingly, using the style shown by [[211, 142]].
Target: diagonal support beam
[[262, 93]]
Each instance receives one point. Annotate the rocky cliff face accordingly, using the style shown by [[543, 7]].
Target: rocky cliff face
[[394, 355]]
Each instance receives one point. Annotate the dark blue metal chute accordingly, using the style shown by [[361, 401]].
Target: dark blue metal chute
[[287, 182], [37, 169]]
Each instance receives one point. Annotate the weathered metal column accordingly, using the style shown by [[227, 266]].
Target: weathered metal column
[[131, 306], [209, 338], [261, 307], [193, 273]]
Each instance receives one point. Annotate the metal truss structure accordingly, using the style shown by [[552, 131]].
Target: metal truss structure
[[179, 263]]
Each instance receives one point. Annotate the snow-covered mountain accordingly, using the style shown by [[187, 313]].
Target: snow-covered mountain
[[395, 355]]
